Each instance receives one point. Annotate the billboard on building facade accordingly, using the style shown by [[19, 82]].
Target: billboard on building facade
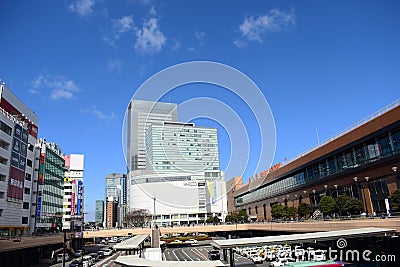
[[18, 163], [78, 206], [73, 198], [39, 207]]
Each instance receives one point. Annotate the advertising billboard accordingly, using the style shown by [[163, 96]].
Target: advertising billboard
[[79, 202], [39, 207], [73, 198], [18, 163]]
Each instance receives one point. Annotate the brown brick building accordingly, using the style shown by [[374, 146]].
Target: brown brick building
[[363, 162]]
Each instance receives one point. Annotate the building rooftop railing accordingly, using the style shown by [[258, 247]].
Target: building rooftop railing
[[347, 130]]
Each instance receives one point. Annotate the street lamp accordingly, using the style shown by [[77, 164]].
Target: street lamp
[[326, 189], [336, 189], [315, 201], [394, 168], [355, 180]]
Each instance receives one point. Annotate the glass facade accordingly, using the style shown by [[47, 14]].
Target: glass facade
[[374, 149]]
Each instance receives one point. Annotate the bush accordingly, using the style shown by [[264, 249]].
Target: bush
[[340, 202], [278, 211], [394, 199], [353, 206], [304, 210]]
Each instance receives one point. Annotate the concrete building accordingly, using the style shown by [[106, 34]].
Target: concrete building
[[185, 183], [361, 162], [99, 215], [49, 191], [111, 212], [116, 186], [73, 213], [141, 114], [18, 134]]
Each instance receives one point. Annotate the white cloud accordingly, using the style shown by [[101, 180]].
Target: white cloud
[[60, 88], [150, 39], [114, 64], [119, 26], [82, 7], [253, 28], [239, 43], [200, 37], [177, 45], [123, 24], [99, 114]]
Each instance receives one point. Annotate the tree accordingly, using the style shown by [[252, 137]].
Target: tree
[[137, 217], [327, 205], [291, 212], [213, 219], [340, 202], [277, 211], [353, 206], [394, 199], [304, 210], [242, 216]]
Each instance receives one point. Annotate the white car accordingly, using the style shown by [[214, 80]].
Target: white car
[[256, 259], [192, 241], [108, 252], [176, 241]]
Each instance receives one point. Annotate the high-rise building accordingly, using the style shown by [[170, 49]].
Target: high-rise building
[[141, 114], [18, 134], [185, 184], [99, 215], [73, 192], [116, 186], [49, 187]]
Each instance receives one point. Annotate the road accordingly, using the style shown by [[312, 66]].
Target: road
[[198, 253]]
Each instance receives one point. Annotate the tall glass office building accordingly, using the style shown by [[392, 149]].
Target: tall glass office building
[[140, 115]]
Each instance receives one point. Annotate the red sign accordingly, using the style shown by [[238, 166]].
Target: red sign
[[16, 184]]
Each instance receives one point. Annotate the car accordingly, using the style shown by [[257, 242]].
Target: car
[[103, 241], [75, 263], [108, 252], [100, 254], [78, 253], [176, 241], [214, 255], [17, 239], [94, 256], [256, 259], [191, 241], [59, 257]]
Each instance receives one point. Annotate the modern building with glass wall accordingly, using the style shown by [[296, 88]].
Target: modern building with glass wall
[[185, 183], [140, 115], [49, 191], [18, 134], [361, 162], [99, 215]]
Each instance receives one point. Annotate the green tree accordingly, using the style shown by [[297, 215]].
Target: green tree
[[353, 206], [291, 212], [327, 205], [231, 217], [278, 211], [213, 219], [304, 210], [242, 216], [340, 202], [394, 199]]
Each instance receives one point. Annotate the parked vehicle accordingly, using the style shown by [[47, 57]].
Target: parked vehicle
[[100, 254], [60, 257], [214, 255], [78, 253], [75, 263], [192, 241], [88, 259], [256, 259], [108, 252]]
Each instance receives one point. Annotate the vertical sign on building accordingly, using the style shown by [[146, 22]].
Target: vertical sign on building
[[18, 163], [73, 197], [39, 207], [79, 202]]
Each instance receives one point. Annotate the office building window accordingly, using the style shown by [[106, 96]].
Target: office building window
[[25, 205], [24, 220], [2, 178], [27, 191]]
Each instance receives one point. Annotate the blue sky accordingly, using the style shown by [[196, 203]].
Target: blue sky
[[320, 64]]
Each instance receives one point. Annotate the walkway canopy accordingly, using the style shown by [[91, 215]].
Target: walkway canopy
[[302, 238], [132, 243]]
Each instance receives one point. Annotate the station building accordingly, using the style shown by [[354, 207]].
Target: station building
[[362, 161]]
